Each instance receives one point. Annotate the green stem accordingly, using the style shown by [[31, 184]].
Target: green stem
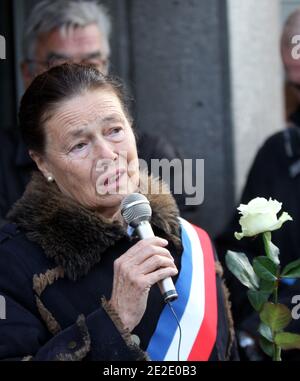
[[277, 353], [276, 348], [266, 244], [276, 292]]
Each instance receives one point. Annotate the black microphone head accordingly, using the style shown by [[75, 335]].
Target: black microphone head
[[136, 208]]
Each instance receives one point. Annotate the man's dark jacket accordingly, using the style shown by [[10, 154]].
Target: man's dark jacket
[[15, 170]]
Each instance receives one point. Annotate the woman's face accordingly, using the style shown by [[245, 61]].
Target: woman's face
[[91, 151]]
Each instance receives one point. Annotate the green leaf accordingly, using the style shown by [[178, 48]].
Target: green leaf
[[266, 332], [265, 269], [266, 346], [240, 266], [258, 298], [292, 270], [287, 340], [276, 316], [266, 285], [272, 251]]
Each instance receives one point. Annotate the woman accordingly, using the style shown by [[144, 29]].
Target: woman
[[77, 283]]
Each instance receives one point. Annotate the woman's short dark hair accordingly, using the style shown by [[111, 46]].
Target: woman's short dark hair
[[49, 89]]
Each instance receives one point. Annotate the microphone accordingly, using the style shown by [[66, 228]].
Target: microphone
[[137, 212]]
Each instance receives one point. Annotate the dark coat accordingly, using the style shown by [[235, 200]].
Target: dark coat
[[15, 169], [56, 271]]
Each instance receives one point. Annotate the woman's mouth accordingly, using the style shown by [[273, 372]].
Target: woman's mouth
[[110, 183], [113, 179]]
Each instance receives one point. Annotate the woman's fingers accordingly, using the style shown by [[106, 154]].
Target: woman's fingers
[[160, 274], [143, 265], [156, 262], [142, 250]]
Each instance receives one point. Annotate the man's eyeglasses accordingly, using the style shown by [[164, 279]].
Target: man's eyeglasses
[[94, 59]]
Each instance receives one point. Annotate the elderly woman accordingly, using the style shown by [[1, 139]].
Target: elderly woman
[[76, 281]]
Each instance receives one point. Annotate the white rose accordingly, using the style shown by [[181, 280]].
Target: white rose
[[260, 216]]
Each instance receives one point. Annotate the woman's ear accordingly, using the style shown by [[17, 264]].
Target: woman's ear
[[41, 163]]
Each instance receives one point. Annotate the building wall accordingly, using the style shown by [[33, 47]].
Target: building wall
[[181, 85], [256, 79]]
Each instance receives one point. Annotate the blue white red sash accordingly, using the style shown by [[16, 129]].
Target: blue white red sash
[[196, 306]]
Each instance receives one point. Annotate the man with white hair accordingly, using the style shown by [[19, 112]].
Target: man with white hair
[[65, 31], [275, 173], [57, 32]]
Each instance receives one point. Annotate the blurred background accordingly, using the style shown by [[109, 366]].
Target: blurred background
[[204, 73]]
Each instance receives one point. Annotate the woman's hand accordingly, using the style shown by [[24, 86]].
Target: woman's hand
[[143, 265]]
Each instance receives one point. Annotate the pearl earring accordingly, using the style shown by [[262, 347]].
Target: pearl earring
[[50, 179]]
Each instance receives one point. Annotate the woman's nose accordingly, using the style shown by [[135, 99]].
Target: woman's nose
[[105, 150]]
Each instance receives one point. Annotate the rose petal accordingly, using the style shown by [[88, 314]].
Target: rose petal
[[260, 216], [238, 236], [282, 219]]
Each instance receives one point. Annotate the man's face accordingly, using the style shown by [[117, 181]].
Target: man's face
[[81, 45]]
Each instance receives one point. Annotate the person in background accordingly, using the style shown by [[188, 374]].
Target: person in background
[[57, 32], [291, 65], [274, 173]]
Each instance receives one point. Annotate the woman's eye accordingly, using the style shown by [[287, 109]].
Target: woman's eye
[[78, 147], [117, 131]]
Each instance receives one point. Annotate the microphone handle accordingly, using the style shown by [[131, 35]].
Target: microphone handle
[[166, 286]]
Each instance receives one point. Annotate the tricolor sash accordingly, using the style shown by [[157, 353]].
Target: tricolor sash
[[196, 306]]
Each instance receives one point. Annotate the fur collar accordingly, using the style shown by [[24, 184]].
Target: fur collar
[[75, 237]]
